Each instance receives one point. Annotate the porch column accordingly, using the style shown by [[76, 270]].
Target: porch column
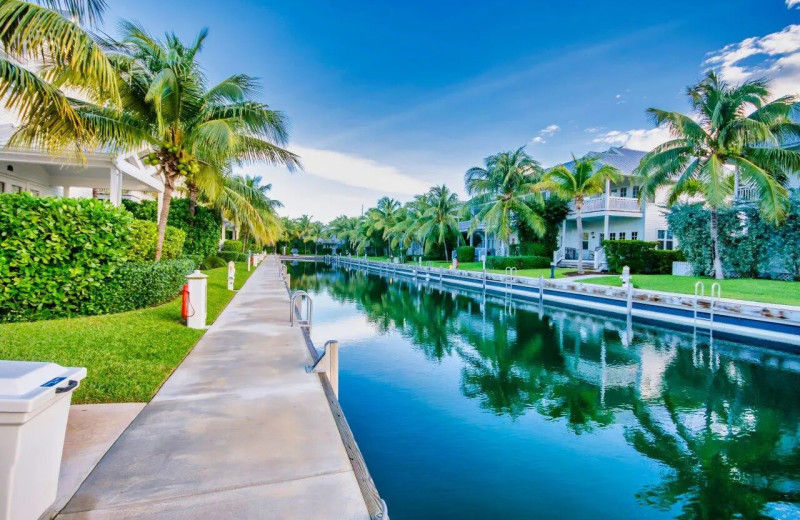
[[563, 234], [66, 192], [470, 239], [608, 205], [115, 191]]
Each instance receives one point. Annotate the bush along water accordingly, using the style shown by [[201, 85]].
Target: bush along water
[[465, 254], [57, 253], [520, 262], [750, 247], [642, 257]]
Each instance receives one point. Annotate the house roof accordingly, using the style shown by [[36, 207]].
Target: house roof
[[625, 159]]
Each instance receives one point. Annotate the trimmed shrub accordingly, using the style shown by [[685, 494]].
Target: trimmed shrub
[[55, 253], [234, 256], [202, 231], [642, 257], [145, 237], [520, 262], [139, 285], [213, 262], [233, 245], [633, 253], [535, 249], [465, 254]]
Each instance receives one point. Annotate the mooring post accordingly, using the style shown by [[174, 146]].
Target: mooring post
[[231, 274], [332, 348], [541, 290], [198, 287], [630, 298]]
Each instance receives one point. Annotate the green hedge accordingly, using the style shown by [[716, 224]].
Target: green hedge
[[234, 256], [202, 231], [642, 257], [232, 245], [139, 285], [213, 262], [465, 254], [55, 253], [145, 238], [520, 262]]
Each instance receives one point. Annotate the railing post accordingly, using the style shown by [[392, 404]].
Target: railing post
[[332, 350]]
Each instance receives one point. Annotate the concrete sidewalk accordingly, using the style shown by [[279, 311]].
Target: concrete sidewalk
[[238, 431]]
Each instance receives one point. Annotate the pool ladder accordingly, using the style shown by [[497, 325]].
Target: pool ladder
[[296, 312], [700, 292], [511, 272]]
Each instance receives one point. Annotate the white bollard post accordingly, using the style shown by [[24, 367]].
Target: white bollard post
[[231, 275], [626, 276], [198, 284], [248, 261]]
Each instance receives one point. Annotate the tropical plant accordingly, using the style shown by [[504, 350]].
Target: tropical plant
[[244, 201], [580, 180], [440, 219], [504, 193], [381, 219], [719, 147], [193, 133], [49, 34]]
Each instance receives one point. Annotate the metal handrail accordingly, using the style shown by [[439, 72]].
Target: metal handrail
[[294, 305]]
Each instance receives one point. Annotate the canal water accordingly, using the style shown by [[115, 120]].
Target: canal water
[[473, 407]]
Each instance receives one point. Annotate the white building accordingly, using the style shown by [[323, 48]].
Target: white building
[[616, 214], [114, 177]]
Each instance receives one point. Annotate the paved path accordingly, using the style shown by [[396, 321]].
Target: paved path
[[238, 431]]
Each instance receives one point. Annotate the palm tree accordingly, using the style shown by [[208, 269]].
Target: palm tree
[[582, 180], [382, 218], [306, 230], [440, 219], [49, 33], [504, 192], [712, 154], [245, 202], [193, 132]]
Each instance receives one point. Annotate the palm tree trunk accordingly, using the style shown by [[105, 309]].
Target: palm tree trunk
[[445, 250], [718, 274], [222, 232], [162, 223], [192, 201], [579, 221]]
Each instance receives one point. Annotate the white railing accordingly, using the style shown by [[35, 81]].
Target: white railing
[[598, 204]]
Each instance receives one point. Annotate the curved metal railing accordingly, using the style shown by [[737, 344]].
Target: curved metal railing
[[295, 309]]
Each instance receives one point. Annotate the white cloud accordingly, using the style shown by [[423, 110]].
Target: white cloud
[[551, 129], [792, 3], [777, 57], [592, 130], [538, 140], [638, 139], [356, 171]]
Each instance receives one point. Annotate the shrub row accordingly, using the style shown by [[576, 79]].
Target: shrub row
[[642, 257], [145, 239], [232, 256], [465, 254], [520, 262], [56, 253], [232, 245], [139, 285], [213, 262]]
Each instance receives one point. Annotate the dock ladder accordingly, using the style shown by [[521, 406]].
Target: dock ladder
[[700, 292], [296, 309]]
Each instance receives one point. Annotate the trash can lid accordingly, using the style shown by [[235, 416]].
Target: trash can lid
[[25, 385]]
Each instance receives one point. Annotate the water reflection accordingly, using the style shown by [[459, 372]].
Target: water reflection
[[722, 418]]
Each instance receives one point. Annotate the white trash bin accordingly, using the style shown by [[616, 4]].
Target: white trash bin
[[34, 405]]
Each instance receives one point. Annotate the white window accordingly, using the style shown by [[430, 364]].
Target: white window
[[665, 239], [634, 235], [35, 193], [622, 235], [602, 237], [612, 236], [2, 187], [16, 189], [623, 192], [585, 241], [614, 192], [636, 192]]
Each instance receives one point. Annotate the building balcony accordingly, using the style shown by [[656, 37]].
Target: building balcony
[[617, 206]]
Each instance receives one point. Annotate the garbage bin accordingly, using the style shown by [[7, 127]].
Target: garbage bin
[[34, 405]]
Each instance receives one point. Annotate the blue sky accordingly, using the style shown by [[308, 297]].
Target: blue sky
[[393, 97]]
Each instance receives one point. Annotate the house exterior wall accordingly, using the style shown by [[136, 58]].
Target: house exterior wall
[[32, 178]]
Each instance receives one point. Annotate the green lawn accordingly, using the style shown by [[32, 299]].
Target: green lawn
[[128, 355], [769, 291]]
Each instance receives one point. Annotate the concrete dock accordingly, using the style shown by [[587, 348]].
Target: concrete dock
[[239, 430]]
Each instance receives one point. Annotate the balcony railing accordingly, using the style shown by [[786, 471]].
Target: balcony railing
[[598, 204]]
